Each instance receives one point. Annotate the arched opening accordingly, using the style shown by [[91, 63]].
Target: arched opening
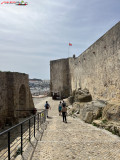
[[22, 100]]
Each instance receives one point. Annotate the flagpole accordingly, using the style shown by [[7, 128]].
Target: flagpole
[[70, 44], [68, 51]]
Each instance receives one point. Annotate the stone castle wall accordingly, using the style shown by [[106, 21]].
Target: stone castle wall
[[60, 76], [3, 98], [98, 68], [14, 96]]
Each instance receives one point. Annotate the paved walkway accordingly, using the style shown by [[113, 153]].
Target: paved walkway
[[75, 140]]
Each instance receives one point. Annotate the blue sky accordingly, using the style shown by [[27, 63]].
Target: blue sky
[[32, 35]]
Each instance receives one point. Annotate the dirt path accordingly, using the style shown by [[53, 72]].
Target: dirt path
[[75, 140]]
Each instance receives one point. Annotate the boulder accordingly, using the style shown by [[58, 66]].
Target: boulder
[[87, 111], [88, 117], [75, 108], [111, 112], [82, 95], [92, 111]]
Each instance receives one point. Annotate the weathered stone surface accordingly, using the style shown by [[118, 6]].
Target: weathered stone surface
[[111, 126], [87, 111], [91, 111], [14, 96], [111, 112], [88, 117], [75, 108], [82, 95], [71, 99], [97, 69], [60, 77]]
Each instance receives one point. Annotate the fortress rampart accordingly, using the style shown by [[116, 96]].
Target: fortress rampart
[[59, 76], [97, 68], [14, 95]]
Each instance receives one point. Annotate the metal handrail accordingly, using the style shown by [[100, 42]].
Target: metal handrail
[[37, 120], [19, 124]]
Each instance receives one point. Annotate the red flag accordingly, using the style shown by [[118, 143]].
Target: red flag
[[70, 44]]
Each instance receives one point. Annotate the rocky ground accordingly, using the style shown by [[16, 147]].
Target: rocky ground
[[74, 140], [101, 113]]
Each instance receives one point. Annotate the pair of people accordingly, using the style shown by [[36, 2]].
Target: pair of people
[[62, 109], [47, 107]]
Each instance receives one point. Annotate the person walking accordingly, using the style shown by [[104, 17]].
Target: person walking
[[64, 112], [60, 108], [47, 106], [63, 103]]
